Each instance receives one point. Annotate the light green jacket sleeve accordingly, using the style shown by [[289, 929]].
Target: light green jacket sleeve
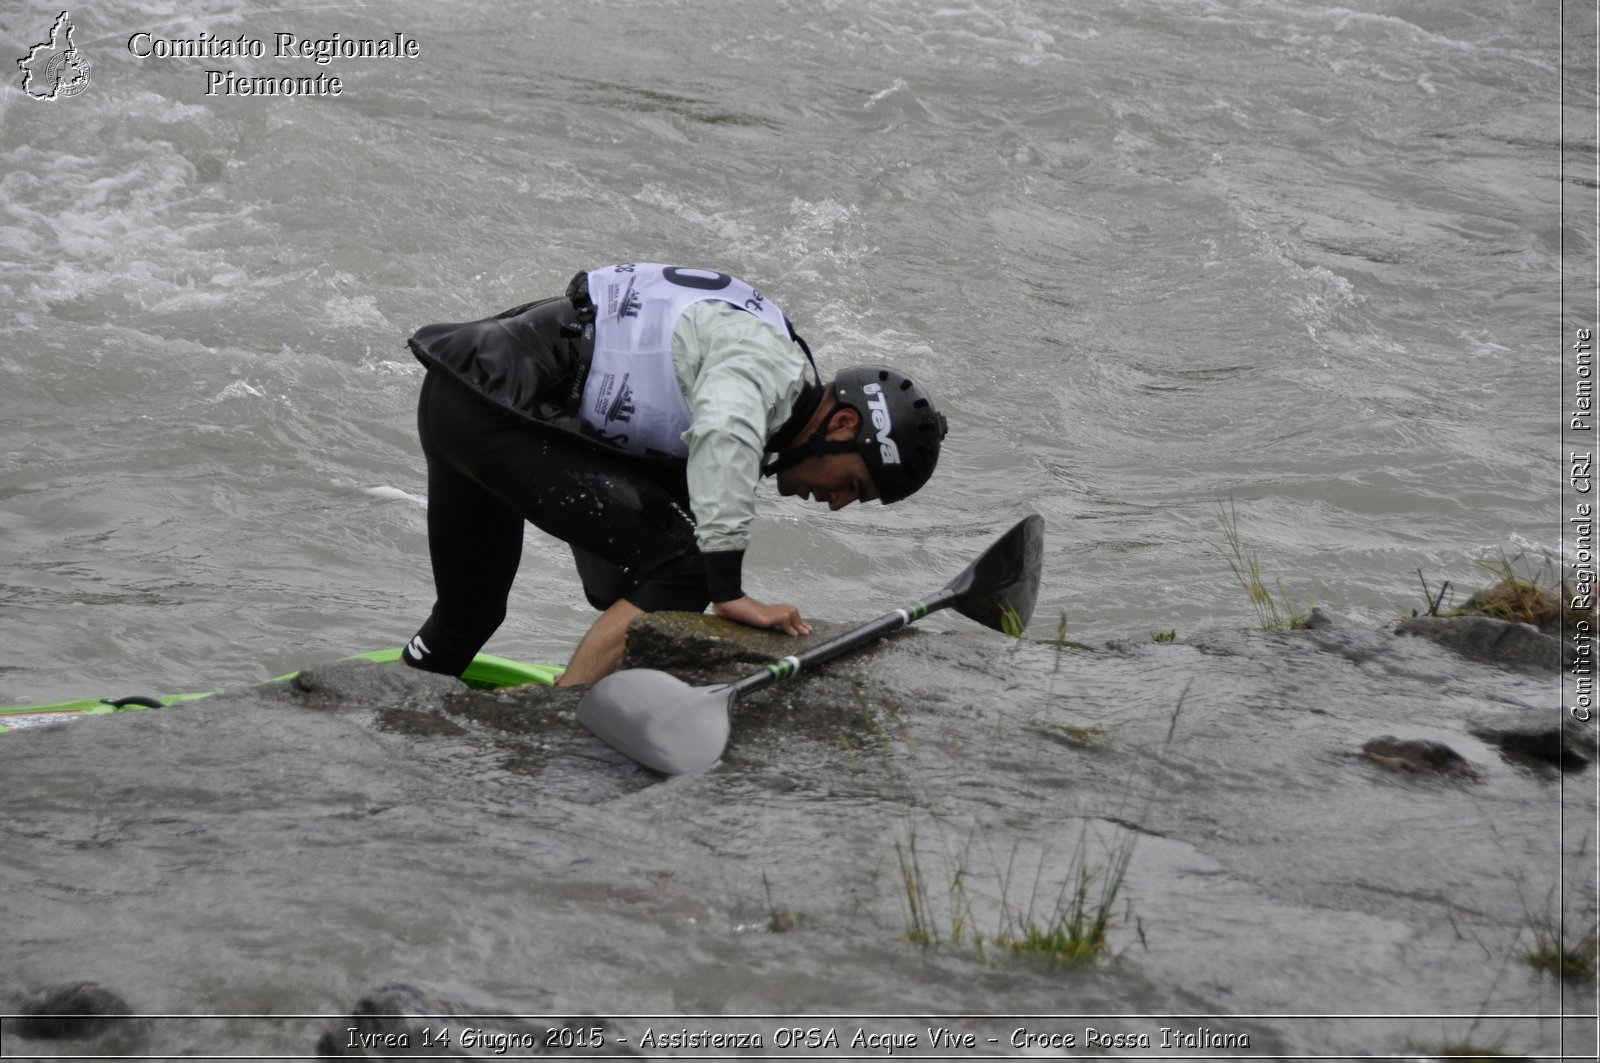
[[740, 378]]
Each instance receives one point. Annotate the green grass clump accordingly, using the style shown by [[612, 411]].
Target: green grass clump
[[1067, 915], [1275, 614], [1528, 600], [924, 926], [1573, 962], [1073, 930], [1066, 942], [960, 893], [1011, 622], [1543, 599]]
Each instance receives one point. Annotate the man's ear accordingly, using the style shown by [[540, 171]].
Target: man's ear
[[844, 420]]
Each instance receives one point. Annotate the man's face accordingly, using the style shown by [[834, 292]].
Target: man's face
[[834, 479]]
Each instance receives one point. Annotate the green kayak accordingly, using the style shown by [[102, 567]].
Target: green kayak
[[486, 672]]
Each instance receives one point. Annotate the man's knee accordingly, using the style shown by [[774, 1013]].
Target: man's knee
[[677, 586], [603, 582]]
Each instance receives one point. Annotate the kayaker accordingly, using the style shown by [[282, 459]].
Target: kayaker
[[632, 418]]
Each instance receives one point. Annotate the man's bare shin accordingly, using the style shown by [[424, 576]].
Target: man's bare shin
[[600, 651]]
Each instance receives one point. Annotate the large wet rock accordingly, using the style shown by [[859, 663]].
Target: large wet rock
[[1492, 641], [708, 648]]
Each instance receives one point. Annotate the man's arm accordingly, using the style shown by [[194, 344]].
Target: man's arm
[[740, 379]]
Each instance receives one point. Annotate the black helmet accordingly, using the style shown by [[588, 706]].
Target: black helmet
[[900, 430]]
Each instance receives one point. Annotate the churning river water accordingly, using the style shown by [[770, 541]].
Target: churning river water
[[1297, 261]]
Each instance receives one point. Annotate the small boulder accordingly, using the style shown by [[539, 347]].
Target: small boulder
[[1568, 746], [1417, 756], [1318, 620], [358, 682], [74, 1011]]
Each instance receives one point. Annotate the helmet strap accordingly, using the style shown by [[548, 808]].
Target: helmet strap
[[817, 445], [805, 406]]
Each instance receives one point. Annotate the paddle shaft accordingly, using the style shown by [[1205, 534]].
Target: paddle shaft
[[777, 671]]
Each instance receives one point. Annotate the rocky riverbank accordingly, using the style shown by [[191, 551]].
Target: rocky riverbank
[[1326, 822]]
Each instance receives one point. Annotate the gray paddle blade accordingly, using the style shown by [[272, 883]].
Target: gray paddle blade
[[659, 720]]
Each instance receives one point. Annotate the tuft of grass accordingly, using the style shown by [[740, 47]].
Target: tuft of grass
[[1170, 635], [1068, 915], [1275, 614], [1072, 930], [1542, 599], [923, 924], [1573, 959], [1060, 642], [1011, 622], [1075, 930], [922, 927], [1529, 600], [1572, 962]]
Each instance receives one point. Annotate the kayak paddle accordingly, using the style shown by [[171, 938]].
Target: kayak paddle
[[666, 724]]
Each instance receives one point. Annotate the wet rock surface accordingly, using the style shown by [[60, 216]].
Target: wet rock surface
[[83, 1015], [1492, 641], [1417, 756], [1567, 746], [283, 850]]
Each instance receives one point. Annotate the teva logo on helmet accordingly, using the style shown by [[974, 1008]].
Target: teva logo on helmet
[[879, 405]]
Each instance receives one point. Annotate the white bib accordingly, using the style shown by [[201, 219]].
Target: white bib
[[632, 396]]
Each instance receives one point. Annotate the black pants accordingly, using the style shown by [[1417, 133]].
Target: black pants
[[626, 518]]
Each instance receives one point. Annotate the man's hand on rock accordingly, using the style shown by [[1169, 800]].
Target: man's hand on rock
[[782, 617]]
